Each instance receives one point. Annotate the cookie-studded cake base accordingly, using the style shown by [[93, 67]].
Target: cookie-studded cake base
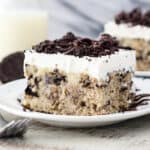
[[55, 92]]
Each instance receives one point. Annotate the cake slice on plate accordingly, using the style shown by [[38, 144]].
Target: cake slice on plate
[[133, 30], [78, 76]]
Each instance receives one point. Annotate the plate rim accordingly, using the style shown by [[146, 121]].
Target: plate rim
[[142, 73]]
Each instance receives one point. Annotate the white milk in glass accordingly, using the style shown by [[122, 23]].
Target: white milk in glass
[[19, 30]]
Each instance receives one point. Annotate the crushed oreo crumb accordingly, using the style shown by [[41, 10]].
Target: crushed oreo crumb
[[77, 46], [55, 77], [19, 100], [135, 17], [86, 83], [83, 104], [137, 89], [123, 88], [104, 85], [29, 91]]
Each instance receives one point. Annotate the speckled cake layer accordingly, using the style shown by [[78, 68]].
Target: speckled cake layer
[[56, 92]]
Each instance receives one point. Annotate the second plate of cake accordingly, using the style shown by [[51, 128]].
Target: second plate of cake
[[134, 33]]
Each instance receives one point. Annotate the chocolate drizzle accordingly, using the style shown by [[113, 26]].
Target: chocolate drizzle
[[135, 17], [138, 100], [77, 46]]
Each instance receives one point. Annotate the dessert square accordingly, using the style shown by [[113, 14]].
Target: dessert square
[[132, 29], [78, 76]]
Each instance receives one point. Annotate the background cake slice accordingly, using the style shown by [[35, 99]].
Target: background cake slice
[[133, 30], [78, 76]]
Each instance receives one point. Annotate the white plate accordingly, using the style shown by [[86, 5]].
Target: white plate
[[10, 107], [142, 73]]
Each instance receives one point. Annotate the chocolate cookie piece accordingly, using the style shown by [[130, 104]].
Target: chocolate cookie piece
[[11, 67], [77, 46], [135, 17]]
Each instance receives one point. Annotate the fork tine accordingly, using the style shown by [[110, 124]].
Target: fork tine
[[15, 128], [5, 130], [21, 126]]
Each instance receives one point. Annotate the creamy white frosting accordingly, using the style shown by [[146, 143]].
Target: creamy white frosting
[[127, 31], [97, 67]]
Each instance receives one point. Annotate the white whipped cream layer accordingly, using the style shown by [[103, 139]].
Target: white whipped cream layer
[[127, 31], [98, 67]]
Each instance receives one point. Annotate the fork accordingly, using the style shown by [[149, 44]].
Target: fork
[[15, 128]]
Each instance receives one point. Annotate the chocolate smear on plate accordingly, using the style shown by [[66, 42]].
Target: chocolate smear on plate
[[139, 100]]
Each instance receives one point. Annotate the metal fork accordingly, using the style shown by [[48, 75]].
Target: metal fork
[[15, 128]]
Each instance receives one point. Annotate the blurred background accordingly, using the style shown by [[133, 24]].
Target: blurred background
[[84, 17]]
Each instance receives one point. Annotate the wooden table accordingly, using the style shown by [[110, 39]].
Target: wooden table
[[129, 135]]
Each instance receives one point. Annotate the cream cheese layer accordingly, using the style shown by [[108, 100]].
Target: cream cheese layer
[[127, 31], [97, 67]]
